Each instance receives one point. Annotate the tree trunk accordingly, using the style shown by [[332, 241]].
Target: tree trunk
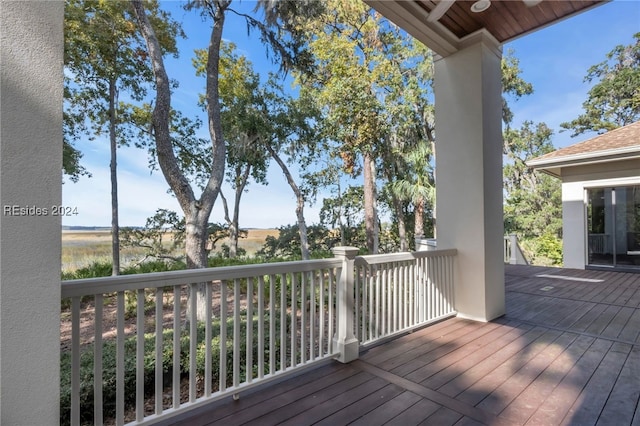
[[302, 225], [418, 227], [402, 227], [115, 228], [370, 213], [234, 226], [343, 237], [195, 244], [302, 228]]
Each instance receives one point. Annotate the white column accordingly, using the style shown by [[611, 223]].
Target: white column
[[345, 340], [574, 242], [468, 125], [30, 168]]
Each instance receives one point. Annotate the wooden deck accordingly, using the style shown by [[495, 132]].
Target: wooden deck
[[567, 352]]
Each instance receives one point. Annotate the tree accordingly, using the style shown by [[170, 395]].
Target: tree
[[198, 210], [419, 189], [346, 209], [104, 56], [242, 125], [532, 200], [347, 80], [291, 133], [614, 101], [153, 237]]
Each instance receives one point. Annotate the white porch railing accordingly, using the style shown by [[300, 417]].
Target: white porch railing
[[155, 360], [513, 252], [264, 321], [401, 291]]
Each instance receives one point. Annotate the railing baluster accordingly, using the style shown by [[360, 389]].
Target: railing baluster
[[321, 314], [177, 313], [312, 316], [193, 339], [283, 322], [208, 335], [378, 303], [303, 318], [140, 299], [158, 353], [272, 324], [120, 360], [236, 333], [332, 275], [75, 361], [223, 336], [261, 335], [97, 362], [396, 306], [249, 332], [294, 321]]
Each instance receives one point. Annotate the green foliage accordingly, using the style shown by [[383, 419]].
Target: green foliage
[[533, 205], [287, 245], [104, 55], [513, 85], [545, 250], [96, 269], [614, 101]]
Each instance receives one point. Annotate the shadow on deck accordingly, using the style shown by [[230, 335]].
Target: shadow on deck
[[566, 352]]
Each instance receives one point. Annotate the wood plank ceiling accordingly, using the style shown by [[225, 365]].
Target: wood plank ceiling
[[506, 19], [444, 24]]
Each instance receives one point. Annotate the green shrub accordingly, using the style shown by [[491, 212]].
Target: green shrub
[[109, 366], [95, 270]]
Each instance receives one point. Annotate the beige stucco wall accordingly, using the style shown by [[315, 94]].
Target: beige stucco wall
[[30, 177]]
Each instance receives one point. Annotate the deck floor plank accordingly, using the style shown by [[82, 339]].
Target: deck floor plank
[[623, 401], [618, 323], [315, 408], [586, 410], [456, 353], [565, 395], [530, 399], [631, 330], [441, 348], [389, 410], [486, 367], [475, 393], [414, 414], [431, 343], [499, 399], [462, 366], [442, 417], [362, 407]]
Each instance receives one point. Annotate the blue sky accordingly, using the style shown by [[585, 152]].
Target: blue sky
[[554, 59]]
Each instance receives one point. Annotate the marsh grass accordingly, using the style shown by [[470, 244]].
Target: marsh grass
[[81, 249]]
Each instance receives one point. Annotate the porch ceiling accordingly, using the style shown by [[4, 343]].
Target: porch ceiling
[[444, 25]]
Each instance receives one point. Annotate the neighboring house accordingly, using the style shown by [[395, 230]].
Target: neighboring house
[[600, 199]]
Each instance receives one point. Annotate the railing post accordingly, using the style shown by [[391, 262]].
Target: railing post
[[513, 249], [344, 339]]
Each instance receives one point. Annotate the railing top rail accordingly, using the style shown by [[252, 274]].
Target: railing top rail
[[89, 286], [376, 259]]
